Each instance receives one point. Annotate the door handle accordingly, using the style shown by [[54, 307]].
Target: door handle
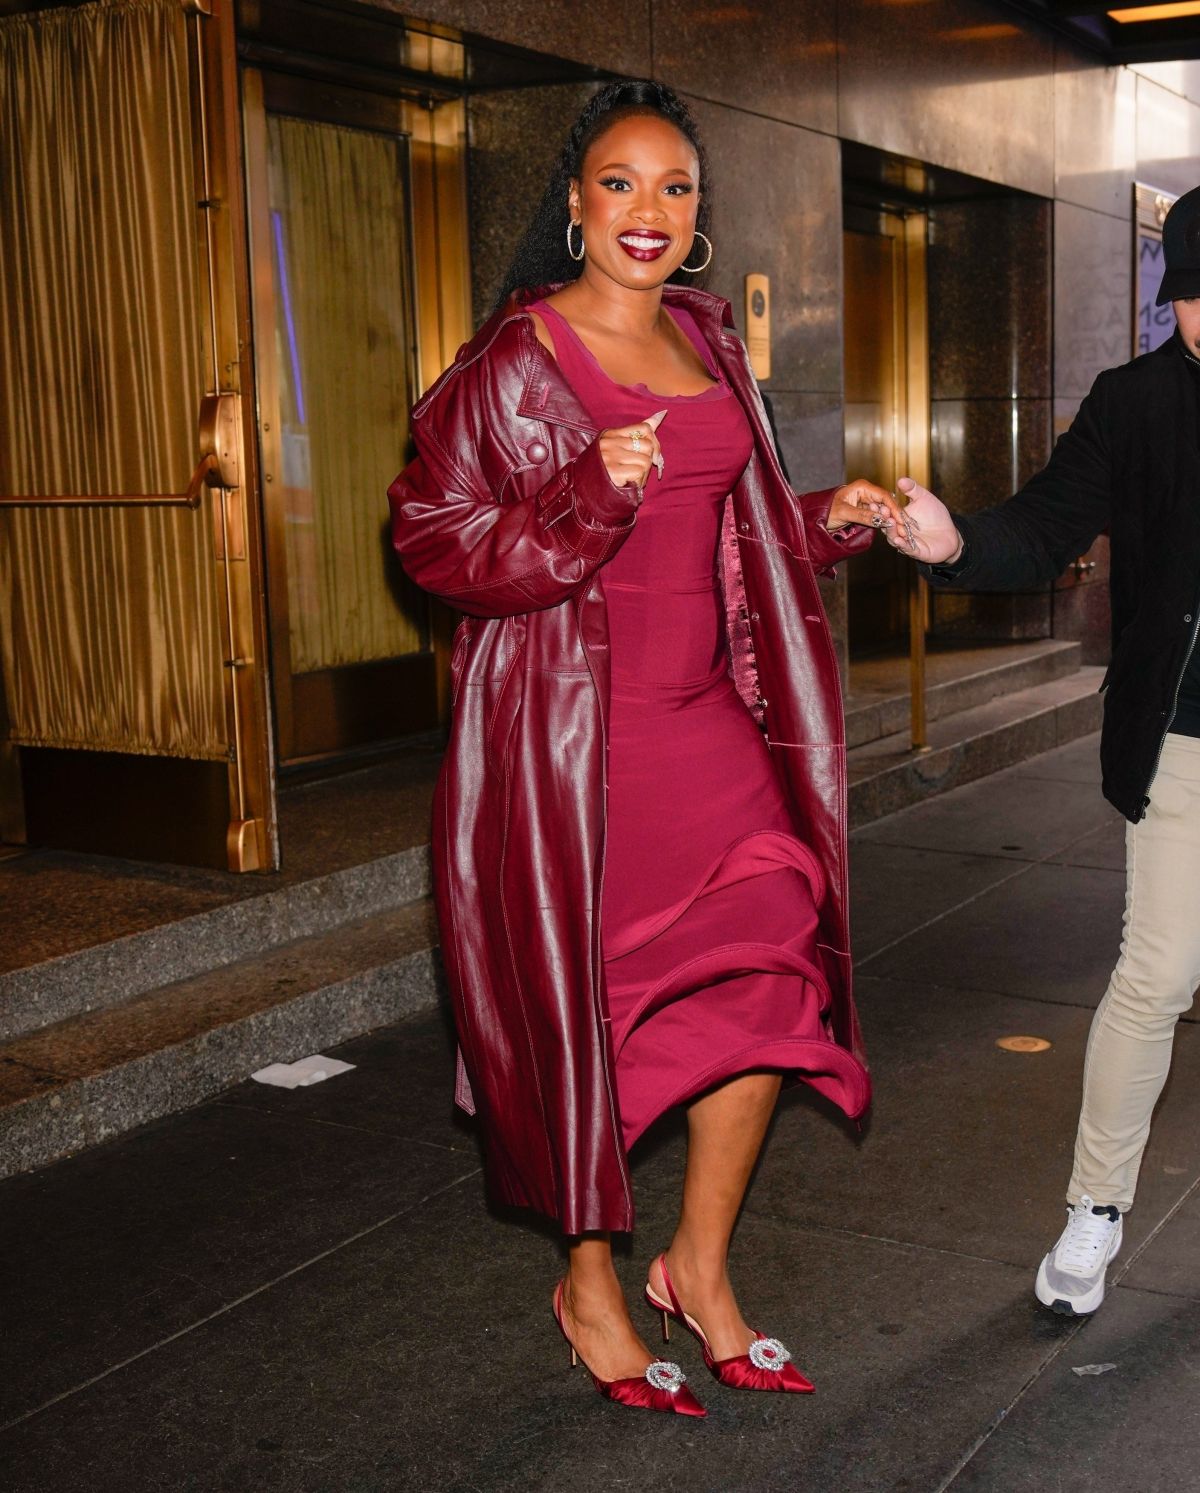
[[219, 466], [220, 419]]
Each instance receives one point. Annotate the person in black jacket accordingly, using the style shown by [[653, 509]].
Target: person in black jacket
[[1130, 463]]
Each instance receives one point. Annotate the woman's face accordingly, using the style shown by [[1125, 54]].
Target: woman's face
[[636, 201]]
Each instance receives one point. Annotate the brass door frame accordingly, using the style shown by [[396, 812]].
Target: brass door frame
[[252, 842], [912, 312], [226, 458], [434, 131], [907, 227]]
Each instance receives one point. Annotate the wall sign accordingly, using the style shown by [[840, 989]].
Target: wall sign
[[758, 324], [1152, 324]]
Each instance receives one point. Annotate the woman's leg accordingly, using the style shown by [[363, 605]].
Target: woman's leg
[[595, 1314], [725, 1134]]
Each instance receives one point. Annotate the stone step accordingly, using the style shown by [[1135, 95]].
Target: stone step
[[957, 678], [106, 973], [253, 992], [886, 775], [98, 1074]]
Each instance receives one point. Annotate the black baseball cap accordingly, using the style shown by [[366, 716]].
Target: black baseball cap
[[1181, 250]]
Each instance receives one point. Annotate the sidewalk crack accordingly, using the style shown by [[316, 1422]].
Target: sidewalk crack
[[229, 1306], [1061, 1346]]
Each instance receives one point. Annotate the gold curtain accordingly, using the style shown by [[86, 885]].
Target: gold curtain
[[343, 341], [109, 625]]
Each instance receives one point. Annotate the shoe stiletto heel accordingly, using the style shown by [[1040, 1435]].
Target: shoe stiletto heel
[[662, 1387], [767, 1365]]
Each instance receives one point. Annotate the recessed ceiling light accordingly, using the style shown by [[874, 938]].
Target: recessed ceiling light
[[1157, 12]]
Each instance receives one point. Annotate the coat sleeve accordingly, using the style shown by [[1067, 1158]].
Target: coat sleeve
[[1030, 540], [829, 549], [494, 559]]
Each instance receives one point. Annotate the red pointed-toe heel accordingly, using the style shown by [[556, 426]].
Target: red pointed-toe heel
[[662, 1387], [768, 1364]]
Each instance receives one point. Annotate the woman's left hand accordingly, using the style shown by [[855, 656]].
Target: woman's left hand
[[866, 503]]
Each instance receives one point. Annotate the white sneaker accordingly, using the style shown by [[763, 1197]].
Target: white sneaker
[[1070, 1280]]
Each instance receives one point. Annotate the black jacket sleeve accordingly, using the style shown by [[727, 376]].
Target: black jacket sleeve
[[1030, 540]]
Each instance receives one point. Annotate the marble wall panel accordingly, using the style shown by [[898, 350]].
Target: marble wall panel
[[982, 450], [957, 83], [777, 210], [1168, 138], [778, 60], [1095, 133], [989, 268], [1065, 410], [515, 137], [809, 428], [1093, 296], [992, 616], [609, 34], [1178, 77]]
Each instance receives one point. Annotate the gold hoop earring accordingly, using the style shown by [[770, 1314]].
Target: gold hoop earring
[[582, 246], [686, 269]]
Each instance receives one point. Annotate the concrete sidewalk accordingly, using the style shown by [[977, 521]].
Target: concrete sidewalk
[[306, 1291]]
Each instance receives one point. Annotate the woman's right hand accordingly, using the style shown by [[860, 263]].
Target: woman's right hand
[[926, 531], [630, 451]]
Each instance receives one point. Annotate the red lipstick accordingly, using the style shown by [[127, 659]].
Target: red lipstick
[[644, 243]]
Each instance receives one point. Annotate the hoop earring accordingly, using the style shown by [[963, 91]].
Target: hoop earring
[[582, 246], [689, 271]]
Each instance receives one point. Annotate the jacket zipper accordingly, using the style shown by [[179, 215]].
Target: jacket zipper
[[1187, 658]]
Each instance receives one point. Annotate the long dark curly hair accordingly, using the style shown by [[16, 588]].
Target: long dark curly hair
[[541, 257]]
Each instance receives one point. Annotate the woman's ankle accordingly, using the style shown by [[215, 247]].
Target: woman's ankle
[[702, 1269], [592, 1292]]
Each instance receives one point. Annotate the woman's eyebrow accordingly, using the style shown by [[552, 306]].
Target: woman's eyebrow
[[625, 166]]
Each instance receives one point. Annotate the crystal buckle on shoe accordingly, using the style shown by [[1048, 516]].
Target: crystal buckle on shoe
[[664, 1375], [769, 1353]]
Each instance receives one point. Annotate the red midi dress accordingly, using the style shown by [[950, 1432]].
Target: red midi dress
[[709, 899]]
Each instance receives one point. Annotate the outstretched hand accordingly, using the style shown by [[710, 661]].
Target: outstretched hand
[[864, 503], [926, 531]]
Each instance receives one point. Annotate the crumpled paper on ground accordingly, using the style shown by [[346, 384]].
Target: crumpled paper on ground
[[1092, 1368], [300, 1074]]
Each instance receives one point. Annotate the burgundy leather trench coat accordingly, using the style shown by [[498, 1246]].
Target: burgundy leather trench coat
[[502, 516]]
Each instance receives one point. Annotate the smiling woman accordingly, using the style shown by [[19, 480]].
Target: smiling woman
[[542, 257], [639, 856]]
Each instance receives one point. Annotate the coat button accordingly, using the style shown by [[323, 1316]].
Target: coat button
[[745, 527], [536, 451], [1187, 616], [754, 616]]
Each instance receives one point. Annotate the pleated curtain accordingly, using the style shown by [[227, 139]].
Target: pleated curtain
[[109, 622], [343, 339]]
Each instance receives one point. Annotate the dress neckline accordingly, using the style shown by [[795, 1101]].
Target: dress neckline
[[717, 390]]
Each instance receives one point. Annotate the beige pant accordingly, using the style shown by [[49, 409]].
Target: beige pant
[[1129, 1050]]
